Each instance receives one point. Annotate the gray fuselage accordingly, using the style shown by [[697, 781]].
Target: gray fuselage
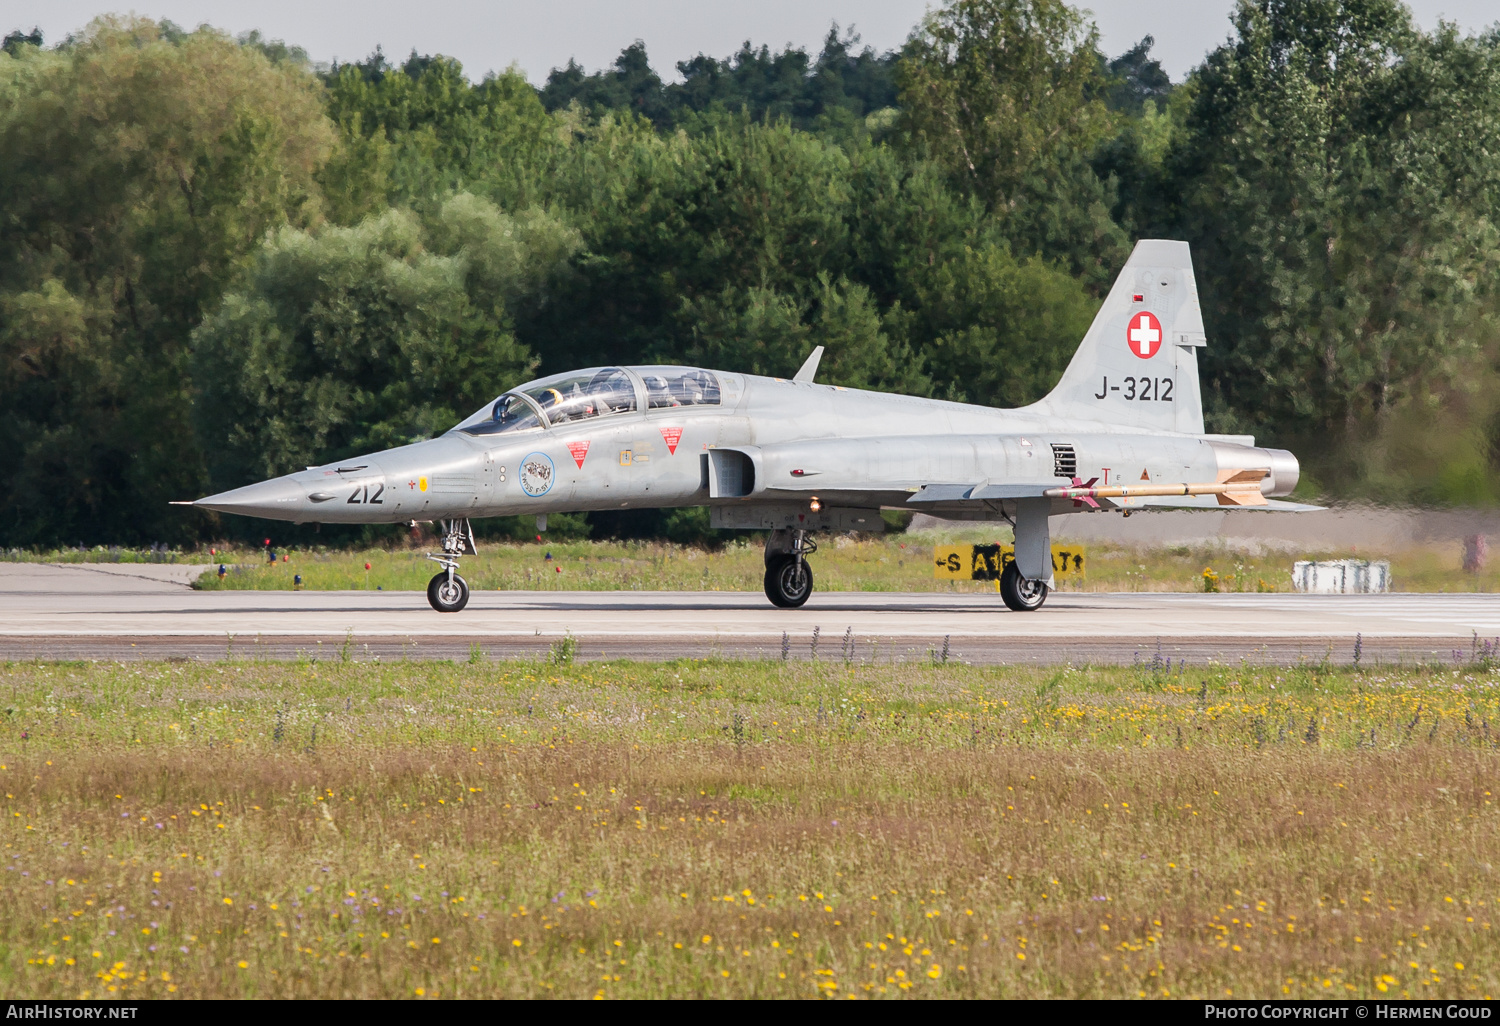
[[770, 446]]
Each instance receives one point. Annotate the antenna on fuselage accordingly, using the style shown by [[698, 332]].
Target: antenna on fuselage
[[810, 367]]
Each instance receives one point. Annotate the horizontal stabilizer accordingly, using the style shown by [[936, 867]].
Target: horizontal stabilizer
[[942, 493], [1012, 491]]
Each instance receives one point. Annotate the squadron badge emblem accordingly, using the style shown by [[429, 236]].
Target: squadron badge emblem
[[537, 474]]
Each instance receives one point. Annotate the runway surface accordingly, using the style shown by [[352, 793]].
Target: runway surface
[[122, 611]]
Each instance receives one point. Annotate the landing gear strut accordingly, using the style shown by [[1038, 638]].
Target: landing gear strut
[[789, 580], [1024, 583], [448, 592]]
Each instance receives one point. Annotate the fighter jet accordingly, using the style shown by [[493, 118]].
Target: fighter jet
[[1122, 431]]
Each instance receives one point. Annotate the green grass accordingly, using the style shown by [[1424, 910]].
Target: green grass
[[108, 554], [705, 828], [894, 562], [899, 562]]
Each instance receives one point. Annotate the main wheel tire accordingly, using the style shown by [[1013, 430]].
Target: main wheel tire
[[789, 581], [448, 596], [1020, 594]]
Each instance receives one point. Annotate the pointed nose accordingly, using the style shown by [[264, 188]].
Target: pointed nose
[[280, 498]]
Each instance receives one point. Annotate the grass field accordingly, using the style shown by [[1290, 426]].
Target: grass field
[[900, 562], [839, 829]]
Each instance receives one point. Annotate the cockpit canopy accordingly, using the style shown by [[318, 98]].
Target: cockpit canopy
[[679, 386], [595, 392]]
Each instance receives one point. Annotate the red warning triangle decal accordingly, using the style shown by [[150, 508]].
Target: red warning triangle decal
[[580, 451], [1145, 476], [671, 435]]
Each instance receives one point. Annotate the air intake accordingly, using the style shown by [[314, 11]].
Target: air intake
[[1064, 461], [731, 474]]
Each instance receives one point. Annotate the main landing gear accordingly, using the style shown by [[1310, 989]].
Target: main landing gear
[[1019, 593], [789, 580], [1025, 581], [448, 592]]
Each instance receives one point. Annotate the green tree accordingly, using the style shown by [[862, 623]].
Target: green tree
[[843, 85], [761, 331], [1337, 179], [940, 267], [669, 220], [139, 169], [630, 86], [744, 245], [422, 130], [345, 340], [17, 39], [1006, 95], [1004, 329], [1137, 78]]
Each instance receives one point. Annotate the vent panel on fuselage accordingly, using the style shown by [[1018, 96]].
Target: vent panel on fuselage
[[1064, 461]]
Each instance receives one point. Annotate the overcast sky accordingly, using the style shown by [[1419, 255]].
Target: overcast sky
[[542, 34]]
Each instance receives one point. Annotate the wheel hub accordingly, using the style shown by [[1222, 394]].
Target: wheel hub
[[794, 577]]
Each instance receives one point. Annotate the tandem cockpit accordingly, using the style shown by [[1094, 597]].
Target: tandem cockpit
[[595, 392]]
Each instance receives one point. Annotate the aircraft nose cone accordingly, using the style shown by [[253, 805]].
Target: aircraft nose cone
[[280, 498]]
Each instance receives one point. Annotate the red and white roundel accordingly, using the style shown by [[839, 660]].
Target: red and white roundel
[[1143, 334]]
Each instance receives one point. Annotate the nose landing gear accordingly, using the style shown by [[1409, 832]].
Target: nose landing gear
[[789, 580], [447, 592]]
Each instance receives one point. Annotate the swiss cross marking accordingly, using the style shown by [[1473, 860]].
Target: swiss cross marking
[[1144, 334]]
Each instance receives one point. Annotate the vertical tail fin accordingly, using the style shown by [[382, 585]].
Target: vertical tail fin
[[1138, 365]]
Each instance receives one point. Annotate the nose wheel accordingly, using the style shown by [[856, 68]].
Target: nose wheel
[[447, 592]]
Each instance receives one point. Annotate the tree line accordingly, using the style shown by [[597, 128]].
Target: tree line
[[219, 261]]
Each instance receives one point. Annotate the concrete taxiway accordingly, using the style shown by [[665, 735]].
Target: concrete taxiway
[[114, 611]]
